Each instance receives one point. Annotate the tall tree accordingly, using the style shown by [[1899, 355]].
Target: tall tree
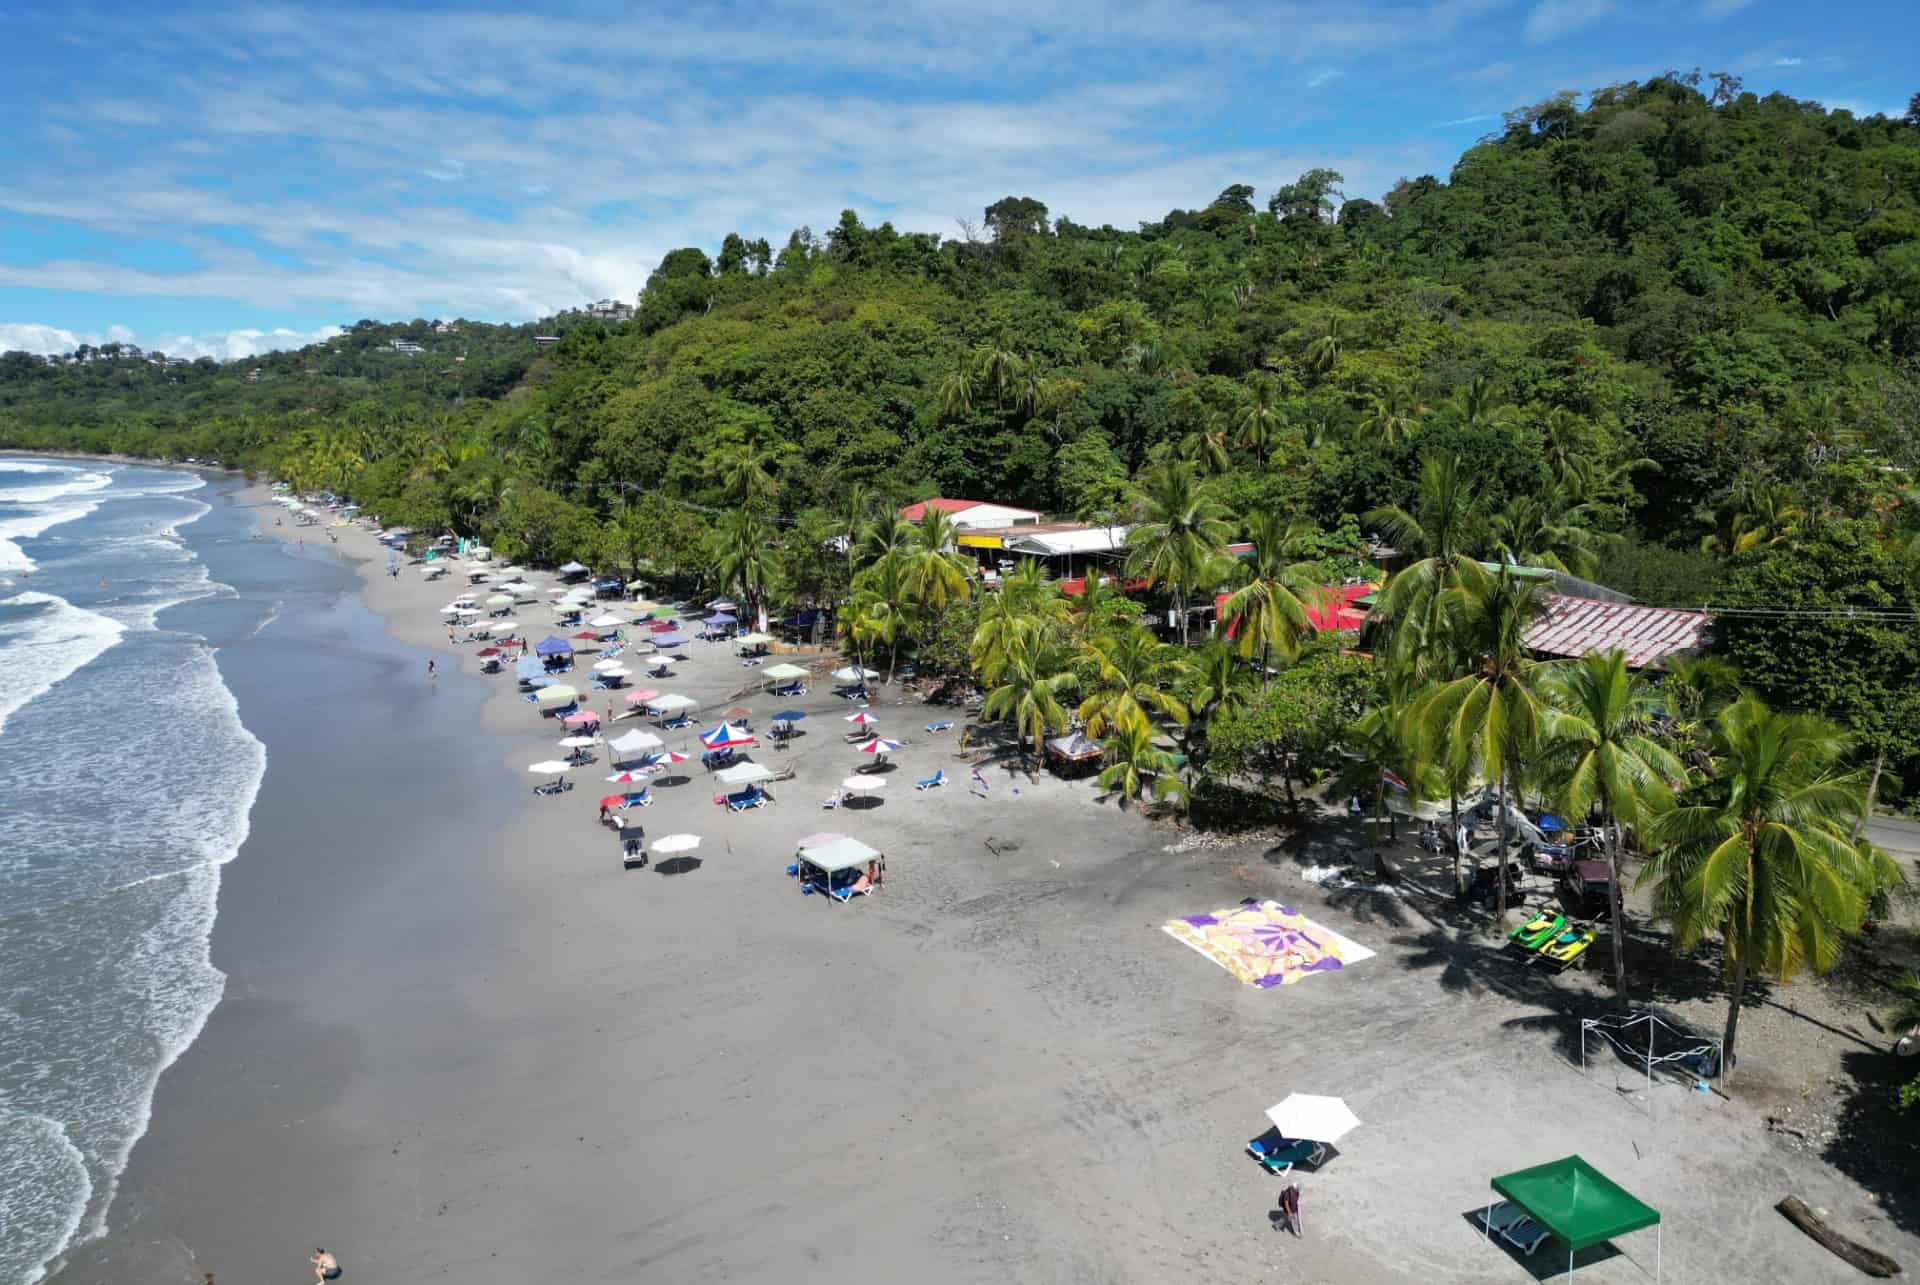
[[1598, 750], [1265, 613], [1762, 853], [1178, 545]]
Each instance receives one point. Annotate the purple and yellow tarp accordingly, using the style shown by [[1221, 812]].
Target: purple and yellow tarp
[[1265, 943]]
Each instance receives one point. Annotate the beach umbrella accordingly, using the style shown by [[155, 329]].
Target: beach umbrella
[[578, 742], [500, 600], [725, 736], [722, 618], [855, 674], [606, 621], [677, 843], [788, 716], [862, 718], [586, 635], [629, 778], [583, 718], [669, 640], [604, 665], [858, 783], [738, 711], [554, 767], [615, 671], [658, 663], [1308, 1117], [663, 758], [451, 609], [485, 652], [641, 695], [880, 745], [504, 627]]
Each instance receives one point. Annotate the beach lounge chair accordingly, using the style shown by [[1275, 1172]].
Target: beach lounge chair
[[550, 788], [945, 725], [1537, 931], [637, 799], [1569, 948], [791, 689], [938, 779], [675, 724], [1278, 1155], [834, 800], [751, 797], [1514, 1225]]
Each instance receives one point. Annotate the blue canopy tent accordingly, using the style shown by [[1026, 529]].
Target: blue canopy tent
[[553, 646], [722, 618], [669, 640]]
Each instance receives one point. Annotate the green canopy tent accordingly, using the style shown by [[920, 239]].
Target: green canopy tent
[[1578, 1204]]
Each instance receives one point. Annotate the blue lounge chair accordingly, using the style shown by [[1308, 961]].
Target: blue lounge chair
[[1514, 1225], [638, 799], [744, 799], [939, 778], [1279, 1155], [791, 689], [945, 725]]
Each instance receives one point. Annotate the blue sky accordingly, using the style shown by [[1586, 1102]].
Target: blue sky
[[227, 178]]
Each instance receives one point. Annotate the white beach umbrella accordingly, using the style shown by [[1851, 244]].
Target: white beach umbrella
[[677, 843], [857, 783], [578, 742], [552, 767], [451, 609], [615, 671], [500, 600], [658, 662], [606, 620], [1308, 1117], [604, 665], [506, 624], [855, 674]]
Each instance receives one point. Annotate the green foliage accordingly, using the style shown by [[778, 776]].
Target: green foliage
[[1292, 729]]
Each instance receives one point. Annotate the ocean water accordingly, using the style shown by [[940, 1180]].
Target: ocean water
[[126, 778]]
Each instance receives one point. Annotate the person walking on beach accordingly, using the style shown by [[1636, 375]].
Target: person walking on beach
[[1290, 1208], [433, 672], [325, 1266]]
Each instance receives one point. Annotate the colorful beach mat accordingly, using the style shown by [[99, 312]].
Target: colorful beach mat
[[1266, 943]]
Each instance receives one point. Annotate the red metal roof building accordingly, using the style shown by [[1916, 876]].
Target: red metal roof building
[[1648, 635], [973, 513]]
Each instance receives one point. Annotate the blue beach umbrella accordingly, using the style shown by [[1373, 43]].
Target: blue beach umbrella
[[788, 716]]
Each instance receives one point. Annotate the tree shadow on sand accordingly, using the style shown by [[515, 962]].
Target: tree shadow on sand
[[1876, 1143]]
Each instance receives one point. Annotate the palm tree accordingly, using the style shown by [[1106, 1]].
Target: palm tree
[[1325, 350], [1441, 532], [1215, 682], [1380, 742], [1128, 676], [888, 535], [1206, 449], [1266, 611], [1179, 543], [1027, 681], [743, 475], [1134, 765], [885, 603], [936, 575], [1477, 404], [1262, 420], [1392, 417], [1762, 852], [1767, 515], [1597, 750], [1099, 607], [744, 560], [1491, 716], [1549, 529]]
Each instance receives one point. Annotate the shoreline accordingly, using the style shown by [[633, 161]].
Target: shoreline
[[516, 1059]]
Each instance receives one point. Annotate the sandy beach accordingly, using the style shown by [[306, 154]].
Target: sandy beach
[[460, 1042]]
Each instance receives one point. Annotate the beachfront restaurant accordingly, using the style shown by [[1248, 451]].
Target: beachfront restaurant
[[1069, 550]]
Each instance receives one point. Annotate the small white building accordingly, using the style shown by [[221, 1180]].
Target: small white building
[[973, 515]]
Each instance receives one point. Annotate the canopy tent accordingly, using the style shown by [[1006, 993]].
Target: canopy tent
[[722, 618], [755, 640], [783, 673], [744, 774], [633, 744], [724, 736], [500, 600], [838, 854], [556, 695], [1313, 1118], [552, 646], [669, 640], [672, 703], [1075, 748], [606, 620], [572, 569], [1578, 1204]]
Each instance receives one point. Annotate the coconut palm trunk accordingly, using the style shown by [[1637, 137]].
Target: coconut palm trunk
[[1618, 927], [1733, 1018], [1873, 792], [1500, 849]]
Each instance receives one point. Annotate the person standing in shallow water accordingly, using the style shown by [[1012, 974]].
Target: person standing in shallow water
[[325, 1266]]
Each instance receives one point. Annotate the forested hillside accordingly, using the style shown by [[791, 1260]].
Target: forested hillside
[[1667, 330]]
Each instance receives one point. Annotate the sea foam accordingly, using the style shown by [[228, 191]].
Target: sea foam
[[47, 646]]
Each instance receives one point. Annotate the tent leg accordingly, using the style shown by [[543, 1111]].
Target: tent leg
[[1569, 1262], [1486, 1228]]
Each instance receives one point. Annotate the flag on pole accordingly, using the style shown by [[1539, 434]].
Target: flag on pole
[[1389, 778]]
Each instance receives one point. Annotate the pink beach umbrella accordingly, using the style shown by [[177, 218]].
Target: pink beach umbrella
[[584, 718], [641, 695], [862, 718]]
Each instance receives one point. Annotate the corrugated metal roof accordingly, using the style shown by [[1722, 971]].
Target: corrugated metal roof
[[1648, 635]]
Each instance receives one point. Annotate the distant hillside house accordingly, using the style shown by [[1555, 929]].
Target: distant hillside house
[[972, 515], [406, 346], [446, 328], [545, 341], [609, 310]]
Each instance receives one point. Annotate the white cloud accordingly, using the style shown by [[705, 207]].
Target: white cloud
[[1786, 62], [1467, 120], [1552, 19], [48, 341], [1321, 77]]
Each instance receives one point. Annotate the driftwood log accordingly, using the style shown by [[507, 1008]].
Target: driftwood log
[[1869, 1261]]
